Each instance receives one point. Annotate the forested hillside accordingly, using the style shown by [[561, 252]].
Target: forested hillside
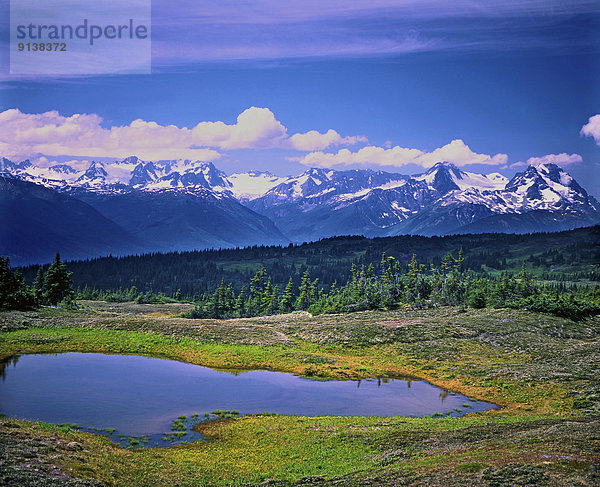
[[566, 256]]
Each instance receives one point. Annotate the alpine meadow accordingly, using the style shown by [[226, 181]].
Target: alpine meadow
[[318, 243]]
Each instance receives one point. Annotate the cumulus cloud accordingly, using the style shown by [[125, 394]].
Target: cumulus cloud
[[563, 159], [456, 152], [256, 128], [592, 128], [52, 134], [314, 140], [82, 135]]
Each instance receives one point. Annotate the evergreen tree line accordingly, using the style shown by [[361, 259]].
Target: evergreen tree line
[[329, 260], [132, 293], [389, 285], [52, 287]]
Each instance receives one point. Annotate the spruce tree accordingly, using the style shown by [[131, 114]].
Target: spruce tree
[[460, 262], [38, 286], [287, 301], [57, 282], [14, 293], [240, 303], [307, 291], [265, 302]]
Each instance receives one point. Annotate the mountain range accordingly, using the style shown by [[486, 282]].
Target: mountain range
[[134, 206]]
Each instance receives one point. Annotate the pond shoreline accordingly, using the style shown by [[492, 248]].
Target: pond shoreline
[[534, 366], [98, 391]]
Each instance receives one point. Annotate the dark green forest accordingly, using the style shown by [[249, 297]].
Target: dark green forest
[[553, 273], [387, 286], [566, 257], [51, 287]]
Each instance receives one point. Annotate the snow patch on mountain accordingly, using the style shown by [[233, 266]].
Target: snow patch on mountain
[[252, 185], [334, 202], [446, 177]]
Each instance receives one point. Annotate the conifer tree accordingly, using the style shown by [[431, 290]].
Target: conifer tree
[[257, 286], [265, 302], [240, 303], [460, 262], [14, 294], [305, 292], [57, 282], [38, 286], [287, 300], [274, 301]]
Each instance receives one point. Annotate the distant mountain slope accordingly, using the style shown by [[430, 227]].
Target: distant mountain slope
[[542, 198], [530, 222], [253, 184], [37, 222], [174, 205], [175, 220], [183, 204], [443, 200]]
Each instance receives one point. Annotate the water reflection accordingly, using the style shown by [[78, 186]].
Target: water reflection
[[5, 363], [141, 396]]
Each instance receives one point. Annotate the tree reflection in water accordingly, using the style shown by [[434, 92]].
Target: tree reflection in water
[[4, 363]]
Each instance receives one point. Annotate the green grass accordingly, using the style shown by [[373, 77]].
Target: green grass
[[541, 369], [354, 451]]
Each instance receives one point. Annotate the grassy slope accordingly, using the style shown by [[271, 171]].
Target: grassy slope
[[541, 369]]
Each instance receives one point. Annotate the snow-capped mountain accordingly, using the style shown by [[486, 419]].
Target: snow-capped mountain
[[442, 200], [161, 201], [542, 198], [156, 206], [13, 167], [447, 177], [62, 169], [119, 176], [251, 185]]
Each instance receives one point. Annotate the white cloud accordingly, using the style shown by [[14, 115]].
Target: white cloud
[[256, 128], [563, 159], [456, 152], [314, 140], [460, 154], [82, 135], [592, 128], [50, 134]]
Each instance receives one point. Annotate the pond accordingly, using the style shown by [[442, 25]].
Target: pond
[[140, 397]]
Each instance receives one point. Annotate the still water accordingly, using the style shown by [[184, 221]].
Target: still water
[[141, 396]]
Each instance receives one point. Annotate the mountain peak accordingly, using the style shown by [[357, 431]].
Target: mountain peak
[[442, 165], [143, 174], [548, 185], [441, 177], [130, 160], [96, 170], [7, 165], [62, 169], [315, 171], [554, 172]]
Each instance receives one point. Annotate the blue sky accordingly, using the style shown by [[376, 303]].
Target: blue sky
[[398, 82]]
